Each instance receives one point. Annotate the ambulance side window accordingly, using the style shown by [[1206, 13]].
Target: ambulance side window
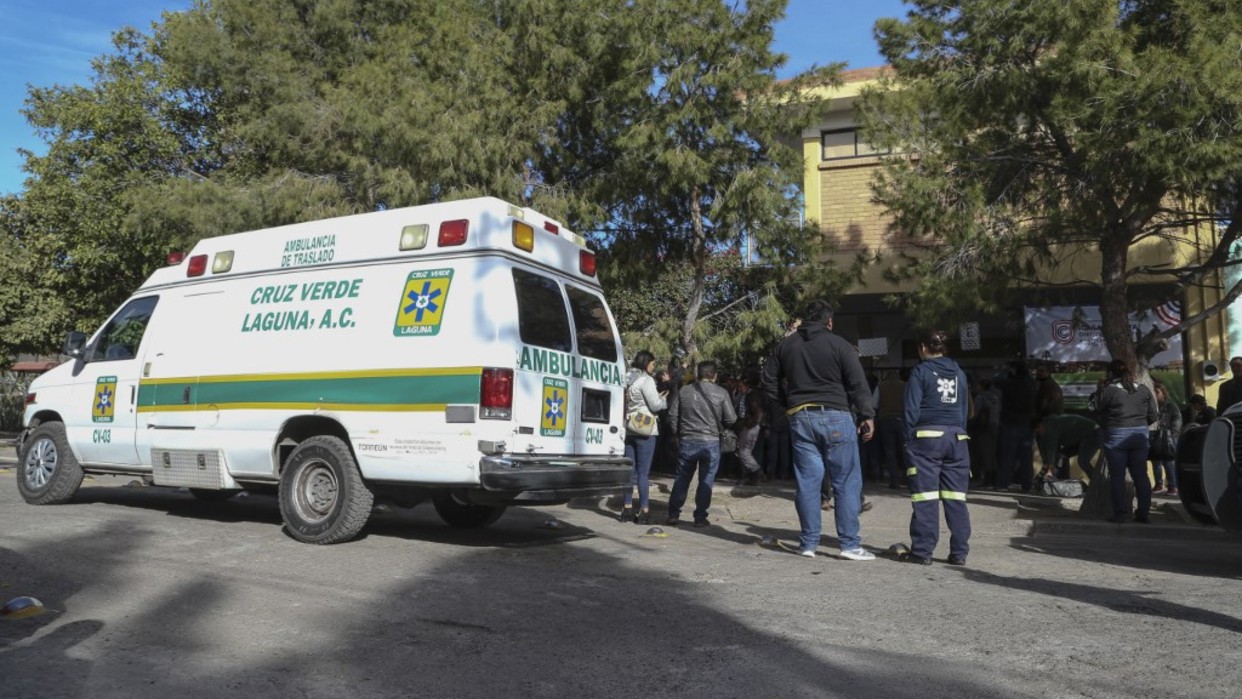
[[596, 338], [542, 320], [121, 336]]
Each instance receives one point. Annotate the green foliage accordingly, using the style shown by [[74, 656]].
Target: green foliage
[[12, 400], [656, 124], [67, 248], [1043, 127], [702, 158], [742, 314]]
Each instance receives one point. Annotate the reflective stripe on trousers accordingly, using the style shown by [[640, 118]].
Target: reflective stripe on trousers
[[939, 459]]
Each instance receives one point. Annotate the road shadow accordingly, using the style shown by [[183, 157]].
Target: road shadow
[[1183, 550], [554, 621], [1122, 601]]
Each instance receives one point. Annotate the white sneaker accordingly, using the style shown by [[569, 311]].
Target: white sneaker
[[857, 554], [806, 553]]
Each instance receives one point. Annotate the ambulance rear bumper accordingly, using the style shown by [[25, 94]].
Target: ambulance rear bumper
[[551, 478]]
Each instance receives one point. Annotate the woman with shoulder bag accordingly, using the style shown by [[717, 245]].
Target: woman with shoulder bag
[[642, 402], [1164, 455], [1124, 409]]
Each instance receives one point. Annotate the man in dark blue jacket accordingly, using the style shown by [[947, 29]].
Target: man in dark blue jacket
[[817, 378]]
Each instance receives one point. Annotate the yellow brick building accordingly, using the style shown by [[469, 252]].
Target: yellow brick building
[[838, 200]]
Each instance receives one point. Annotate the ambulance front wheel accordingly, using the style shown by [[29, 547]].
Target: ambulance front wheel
[[322, 497], [464, 515], [49, 473]]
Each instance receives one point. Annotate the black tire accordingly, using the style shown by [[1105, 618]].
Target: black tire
[[322, 497], [47, 471], [210, 495], [456, 513]]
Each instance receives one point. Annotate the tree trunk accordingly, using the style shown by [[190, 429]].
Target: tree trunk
[[1097, 502], [698, 256], [1114, 301]]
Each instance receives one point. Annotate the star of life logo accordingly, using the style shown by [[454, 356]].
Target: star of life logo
[[421, 308], [554, 408], [947, 389], [103, 407]]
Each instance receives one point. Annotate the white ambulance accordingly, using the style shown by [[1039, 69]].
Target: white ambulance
[[459, 351]]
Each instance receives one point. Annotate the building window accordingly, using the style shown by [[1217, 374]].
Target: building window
[[845, 143]]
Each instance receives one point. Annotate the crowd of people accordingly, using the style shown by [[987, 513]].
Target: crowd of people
[[813, 414], [810, 414]]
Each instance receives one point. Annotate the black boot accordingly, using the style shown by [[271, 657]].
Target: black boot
[[627, 514]]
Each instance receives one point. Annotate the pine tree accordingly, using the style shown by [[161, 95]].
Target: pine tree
[[1036, 130]]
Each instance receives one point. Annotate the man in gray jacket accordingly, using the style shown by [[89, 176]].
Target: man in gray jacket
[[699, 414]]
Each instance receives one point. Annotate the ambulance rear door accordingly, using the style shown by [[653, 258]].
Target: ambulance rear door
[[566, 393]]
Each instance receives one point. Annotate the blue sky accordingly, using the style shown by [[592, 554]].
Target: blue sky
[[49, 42]]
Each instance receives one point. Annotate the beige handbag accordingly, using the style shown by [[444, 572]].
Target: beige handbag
[[640, 423]]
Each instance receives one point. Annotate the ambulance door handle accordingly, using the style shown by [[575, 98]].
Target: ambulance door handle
[[131, 394], [185, 395]]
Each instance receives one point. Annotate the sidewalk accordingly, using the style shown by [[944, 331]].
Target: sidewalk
[[8, 453], [991, 513]]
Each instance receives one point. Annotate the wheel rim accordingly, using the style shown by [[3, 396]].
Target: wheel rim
[[316, 492], [40, 464]]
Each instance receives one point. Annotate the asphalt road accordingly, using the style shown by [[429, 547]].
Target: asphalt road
[[158, 595]]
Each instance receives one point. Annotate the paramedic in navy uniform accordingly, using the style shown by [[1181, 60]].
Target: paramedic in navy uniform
[[937, 451]]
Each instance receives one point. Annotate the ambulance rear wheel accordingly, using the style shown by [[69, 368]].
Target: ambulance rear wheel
[[48, 472], [322, 497], [464, 515]]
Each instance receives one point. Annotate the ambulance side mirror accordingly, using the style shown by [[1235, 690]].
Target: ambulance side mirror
[[74, 343]]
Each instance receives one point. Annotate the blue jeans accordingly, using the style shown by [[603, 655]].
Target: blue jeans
[[703, 457], [1166, 468], [826, 440], [641, 450], [889, 430], [1125, 449], [777, 457], [1017, 451]]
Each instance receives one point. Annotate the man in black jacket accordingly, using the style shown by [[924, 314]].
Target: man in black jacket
[[1231, 390], [817, 378]]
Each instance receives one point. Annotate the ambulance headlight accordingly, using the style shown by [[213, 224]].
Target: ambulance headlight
[[414, 237]]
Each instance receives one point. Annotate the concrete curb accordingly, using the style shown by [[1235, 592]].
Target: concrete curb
[[1129, 530]]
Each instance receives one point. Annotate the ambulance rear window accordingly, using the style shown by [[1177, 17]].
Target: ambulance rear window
[[542, 320], [596, 338]]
